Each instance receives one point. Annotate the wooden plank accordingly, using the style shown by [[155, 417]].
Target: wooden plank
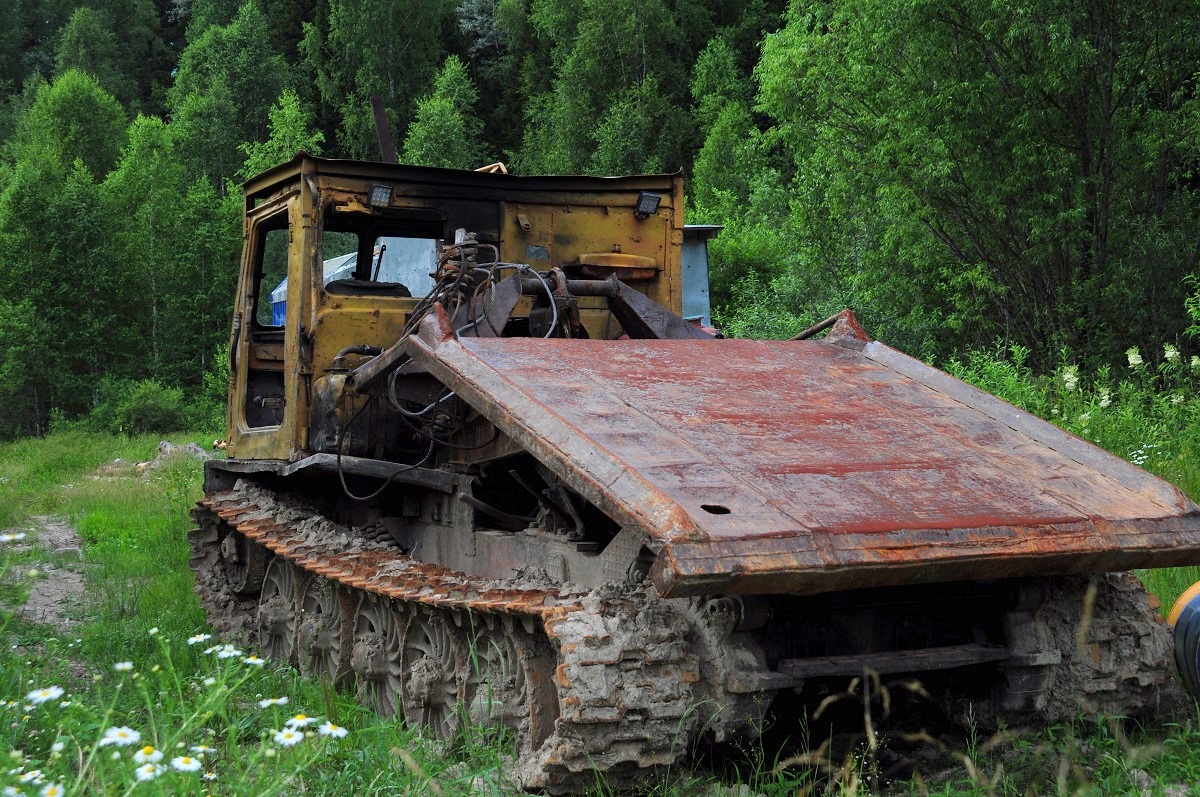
[[924, 660]]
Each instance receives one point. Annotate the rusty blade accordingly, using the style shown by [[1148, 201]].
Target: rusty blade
[[767, 466]]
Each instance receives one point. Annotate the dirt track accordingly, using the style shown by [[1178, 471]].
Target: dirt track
[[56, 594]]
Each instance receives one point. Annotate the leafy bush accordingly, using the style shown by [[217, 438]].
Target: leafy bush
[[127, 406], [148, 406]]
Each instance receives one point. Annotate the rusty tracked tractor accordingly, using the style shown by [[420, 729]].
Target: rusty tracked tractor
[[480, 468]]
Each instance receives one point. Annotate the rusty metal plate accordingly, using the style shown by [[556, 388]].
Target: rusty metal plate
[[804, 466]]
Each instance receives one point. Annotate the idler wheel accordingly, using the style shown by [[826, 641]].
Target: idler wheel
[[375, 655], [277, 610], [434, 664], [509, 685], [322, 651], [245, 562]]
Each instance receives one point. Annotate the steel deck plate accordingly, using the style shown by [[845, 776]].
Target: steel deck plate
[[805, 466]]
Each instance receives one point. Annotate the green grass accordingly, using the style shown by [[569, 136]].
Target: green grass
[[140, 608]]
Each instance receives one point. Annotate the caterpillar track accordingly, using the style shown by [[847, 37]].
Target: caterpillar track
[[601, 680], [607, 680]]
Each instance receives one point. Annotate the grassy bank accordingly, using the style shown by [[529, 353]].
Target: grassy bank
[[126, 662], [133, 663]]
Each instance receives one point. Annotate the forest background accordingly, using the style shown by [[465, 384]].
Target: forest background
[[966, 176]]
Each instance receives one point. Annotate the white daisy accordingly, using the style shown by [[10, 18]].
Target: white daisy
[[300, 721], [52, 790], [148, 772], [254, 661], [288, 737], [122, 737], [198, 638], [148, 755], [39, 696], [123, 666], [185, 763], [273, 701], [331, 730]]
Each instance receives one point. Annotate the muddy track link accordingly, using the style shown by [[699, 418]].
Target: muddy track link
[[620, 702], [1120, 665]]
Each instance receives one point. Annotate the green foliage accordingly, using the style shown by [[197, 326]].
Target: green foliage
[[73, 118], [615, 101], [227, 80], [446, 131], [136, 407], [1009, 169], [388, 48], [291, 132], [88, 44], [716, 82], [956, 175]]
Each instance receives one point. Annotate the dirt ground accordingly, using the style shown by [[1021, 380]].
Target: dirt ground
[[56, 594]]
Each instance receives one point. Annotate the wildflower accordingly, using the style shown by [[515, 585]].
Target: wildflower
[[288, 737], [1170, 353], [202, 749], [1177, 399], [212, 649], [1070, 376], [332, 731], [254, 661], [39, 696], [1195, 363], [52, 790], [20, 535], [57, 747], [210, 776], [148, 772], [64, 703], [1105, 399], [32, 776], [269, 752], [300, 721], [123, 666], [228, 652], [1085, 417], [148, 755], [153, 631], [1135, 357], [122, 737], [12, 791], [273, 701], [209, 681], [185, 763], [198, 638]]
